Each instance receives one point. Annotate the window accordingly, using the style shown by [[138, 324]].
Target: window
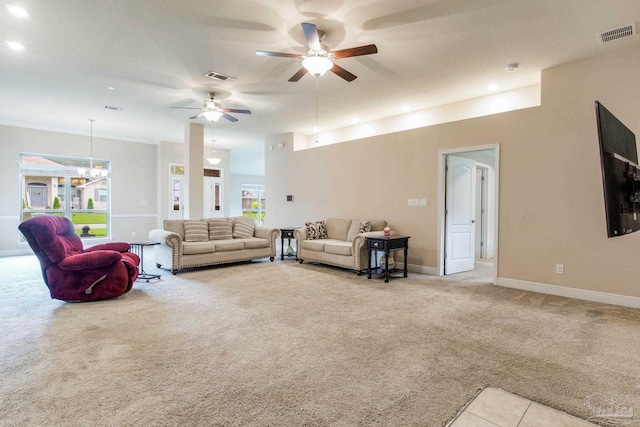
[[253, 201], [76, 188]]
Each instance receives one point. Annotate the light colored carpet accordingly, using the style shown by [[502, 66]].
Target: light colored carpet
[[283, 344]]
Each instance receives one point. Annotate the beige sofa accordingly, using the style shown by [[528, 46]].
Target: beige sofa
[[342, 247], [180, 249]]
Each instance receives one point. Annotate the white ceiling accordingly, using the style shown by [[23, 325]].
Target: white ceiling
[[155, 53]]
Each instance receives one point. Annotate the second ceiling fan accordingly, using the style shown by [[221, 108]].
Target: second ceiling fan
[[212, 110], [319, 59]]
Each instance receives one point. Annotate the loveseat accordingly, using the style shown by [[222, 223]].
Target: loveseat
[[338, 242], [209, 241]]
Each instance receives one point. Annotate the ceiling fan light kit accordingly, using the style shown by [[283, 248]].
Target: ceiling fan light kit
[[317, 65], [212, 116]]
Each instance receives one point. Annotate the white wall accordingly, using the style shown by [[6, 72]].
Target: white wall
[[551, 200]]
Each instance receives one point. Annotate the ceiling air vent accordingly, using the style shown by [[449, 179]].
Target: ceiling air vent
[[218, 76], [617, 33], [112, 108]]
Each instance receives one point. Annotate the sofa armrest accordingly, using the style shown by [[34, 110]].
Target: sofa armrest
[[167, 238], [269, 233], [300, 234]]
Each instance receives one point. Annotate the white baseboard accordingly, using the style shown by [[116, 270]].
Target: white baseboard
[[603, 297], [422, 269]]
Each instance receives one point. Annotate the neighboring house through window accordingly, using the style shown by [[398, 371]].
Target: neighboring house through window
[[76, 188]]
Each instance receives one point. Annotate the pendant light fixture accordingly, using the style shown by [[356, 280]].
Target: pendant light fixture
[[92, 172], [213, 159]]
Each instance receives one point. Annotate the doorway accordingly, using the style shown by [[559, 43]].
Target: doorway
[[468, 214]]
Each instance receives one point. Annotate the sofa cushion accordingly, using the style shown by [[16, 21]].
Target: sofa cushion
[[254, 243], [338, 247], [220, 229], [313, 245], [242, 229], [192, 248], [357, 227], [338, 228], [316, 230], [196, 231], [229, 245]]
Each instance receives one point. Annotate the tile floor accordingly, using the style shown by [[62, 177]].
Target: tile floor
[[497, 408]]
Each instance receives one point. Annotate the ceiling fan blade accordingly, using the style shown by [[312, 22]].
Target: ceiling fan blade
[[230, 118], [233, 110], [297, 76], [355, 51], [196, 116], [188, 108], [311, 34], [336, 69], [281, 54]]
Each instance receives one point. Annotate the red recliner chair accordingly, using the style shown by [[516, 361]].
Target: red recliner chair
[[76, 274]]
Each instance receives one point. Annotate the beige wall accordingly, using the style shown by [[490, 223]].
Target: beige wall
[[551, 201], [133, 167]]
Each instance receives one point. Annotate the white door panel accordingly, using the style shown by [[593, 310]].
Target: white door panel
[[460, 216]]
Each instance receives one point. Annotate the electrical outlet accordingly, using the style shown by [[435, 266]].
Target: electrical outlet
[[423, 202], [413, 202], [559, 268], [133, 234], [143, 203]]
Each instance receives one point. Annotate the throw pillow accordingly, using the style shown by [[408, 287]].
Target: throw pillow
[[316, 230], [196, 231], [364, 227], [242, 230], [220, 229]]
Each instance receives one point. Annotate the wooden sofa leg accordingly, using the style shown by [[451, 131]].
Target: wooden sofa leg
[[271, 258], [300, 260], [174, 272]]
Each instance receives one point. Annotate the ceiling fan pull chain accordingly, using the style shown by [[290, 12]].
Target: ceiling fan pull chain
[[317, 96]]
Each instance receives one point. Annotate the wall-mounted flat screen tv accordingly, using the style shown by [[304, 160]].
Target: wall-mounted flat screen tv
[[620, 173]]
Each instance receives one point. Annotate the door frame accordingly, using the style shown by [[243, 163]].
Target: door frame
[[442, 154]]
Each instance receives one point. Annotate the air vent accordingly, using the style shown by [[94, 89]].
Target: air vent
[[112, 108], [617, 33], [218, 76]]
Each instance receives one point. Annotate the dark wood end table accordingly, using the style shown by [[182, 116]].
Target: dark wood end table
[[287, 233], [387, 245]]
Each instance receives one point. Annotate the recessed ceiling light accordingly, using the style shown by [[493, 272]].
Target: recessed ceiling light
[[492, 87], [15, 45], [406, 108], [354, 120], [111, 88], [17, 10], [511, 67]]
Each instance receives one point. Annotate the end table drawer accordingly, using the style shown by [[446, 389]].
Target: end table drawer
[[287, 234]]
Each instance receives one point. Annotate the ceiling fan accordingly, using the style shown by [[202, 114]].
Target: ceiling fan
[[213, 110], [319, 59]]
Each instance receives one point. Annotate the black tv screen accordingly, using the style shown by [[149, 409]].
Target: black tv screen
[[620, 173]]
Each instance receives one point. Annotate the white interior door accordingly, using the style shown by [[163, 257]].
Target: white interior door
[[212, 197], [460, 200]]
